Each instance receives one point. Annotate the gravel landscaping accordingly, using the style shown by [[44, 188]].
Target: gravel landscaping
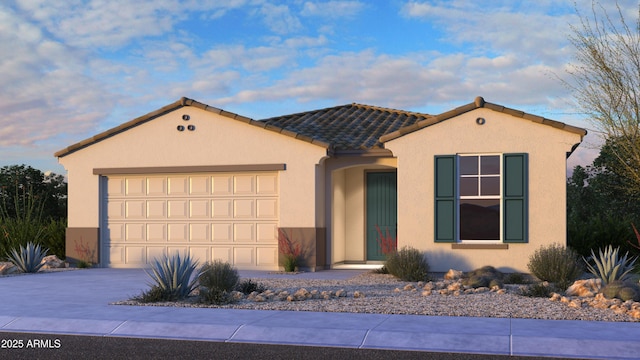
[[384, 294]]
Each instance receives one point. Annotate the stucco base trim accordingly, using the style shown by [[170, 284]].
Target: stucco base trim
[[480, 246], [313, 244], [82, 244]]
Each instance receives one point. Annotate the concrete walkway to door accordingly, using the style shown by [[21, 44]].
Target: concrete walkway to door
[[77, 302]]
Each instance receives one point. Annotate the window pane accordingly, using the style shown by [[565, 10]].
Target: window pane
[[469, 186], [490, 165], [468, 165], [480, 219], [490, 186]]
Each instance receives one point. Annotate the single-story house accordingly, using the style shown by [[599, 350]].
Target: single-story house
[[479, 185]]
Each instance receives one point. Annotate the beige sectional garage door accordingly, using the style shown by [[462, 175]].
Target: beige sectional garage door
[[227, 216]]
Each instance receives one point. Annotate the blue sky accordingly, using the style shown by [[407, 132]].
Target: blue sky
[[74, 68]]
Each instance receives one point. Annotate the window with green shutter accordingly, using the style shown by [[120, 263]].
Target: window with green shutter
[[481, 197]]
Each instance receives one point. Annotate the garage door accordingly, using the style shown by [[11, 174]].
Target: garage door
[[227, 216]]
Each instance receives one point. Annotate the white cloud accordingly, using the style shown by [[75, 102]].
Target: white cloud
[[332, 9], [279, 18]]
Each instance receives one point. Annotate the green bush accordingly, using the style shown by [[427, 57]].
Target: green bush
[[539, 290], [217, 280], [174, 278], [54, 237], [407, 264], [556, 264], [622, 290], [29, 258]]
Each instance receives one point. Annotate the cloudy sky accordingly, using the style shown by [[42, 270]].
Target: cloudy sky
[[72, 68]]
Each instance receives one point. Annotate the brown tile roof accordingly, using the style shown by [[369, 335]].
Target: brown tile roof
[[347, 127], [480, 103]]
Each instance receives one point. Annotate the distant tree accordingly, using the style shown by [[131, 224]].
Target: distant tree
[[21, 185], [605, 83], [600, 209]]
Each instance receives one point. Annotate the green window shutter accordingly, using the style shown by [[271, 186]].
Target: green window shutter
[[445, 199], [515, 198]]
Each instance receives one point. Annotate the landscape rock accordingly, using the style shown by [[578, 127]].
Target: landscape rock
[[7, 268], [52, 262], [584, 288], [453, 274]]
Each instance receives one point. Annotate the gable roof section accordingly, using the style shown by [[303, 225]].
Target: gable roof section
[[183, 102], [480, 103], [348, 127]]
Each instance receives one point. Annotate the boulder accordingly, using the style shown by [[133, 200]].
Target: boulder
[[52, 262], [584, 288], [7, 268], [453, 274]]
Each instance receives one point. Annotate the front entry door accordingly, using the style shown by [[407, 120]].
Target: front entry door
[[382, 210]]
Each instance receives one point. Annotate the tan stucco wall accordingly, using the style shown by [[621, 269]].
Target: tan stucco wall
[[217, 140], [547, 148]]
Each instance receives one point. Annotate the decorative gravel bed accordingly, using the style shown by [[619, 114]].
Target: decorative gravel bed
[[384, 294]]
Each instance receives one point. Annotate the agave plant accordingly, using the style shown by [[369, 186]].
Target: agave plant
[[174, 277], [29, 258], [609, 266]]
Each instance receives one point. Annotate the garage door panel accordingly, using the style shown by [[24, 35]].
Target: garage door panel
[[243, 232], [267, 232], [116, 186], [222, 253], [266, 208], [155, 252], [135, 232], [115, 209], [225, 216], [243, 184], [267, 256], [199, 209], [136, 255], [135, 186], [244, 256], [115, 232], [243, 208], [221, 232], [135, 209], [157, 186], [177, 209], [222, 185], [156, 209], [157, 232], [199, 185], [199, 232], [178, 232], [178, 185], [222, 209], [267, 184]]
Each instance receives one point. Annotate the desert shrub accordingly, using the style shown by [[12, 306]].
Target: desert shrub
[[381, 270], [247, 286], [29, 258], [556, 264], [174, 278], [217, 280], [408, 264], [54, 237], [541, 289], [609, 266]]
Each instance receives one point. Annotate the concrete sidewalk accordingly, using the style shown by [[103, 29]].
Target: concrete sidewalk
[[77, 302]]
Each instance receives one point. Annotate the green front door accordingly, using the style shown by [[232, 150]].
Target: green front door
[[382, 211]]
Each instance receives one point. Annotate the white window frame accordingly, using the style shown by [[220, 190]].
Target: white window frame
[[479, 197]]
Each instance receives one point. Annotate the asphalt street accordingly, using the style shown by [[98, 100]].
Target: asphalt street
[[48, 346]]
